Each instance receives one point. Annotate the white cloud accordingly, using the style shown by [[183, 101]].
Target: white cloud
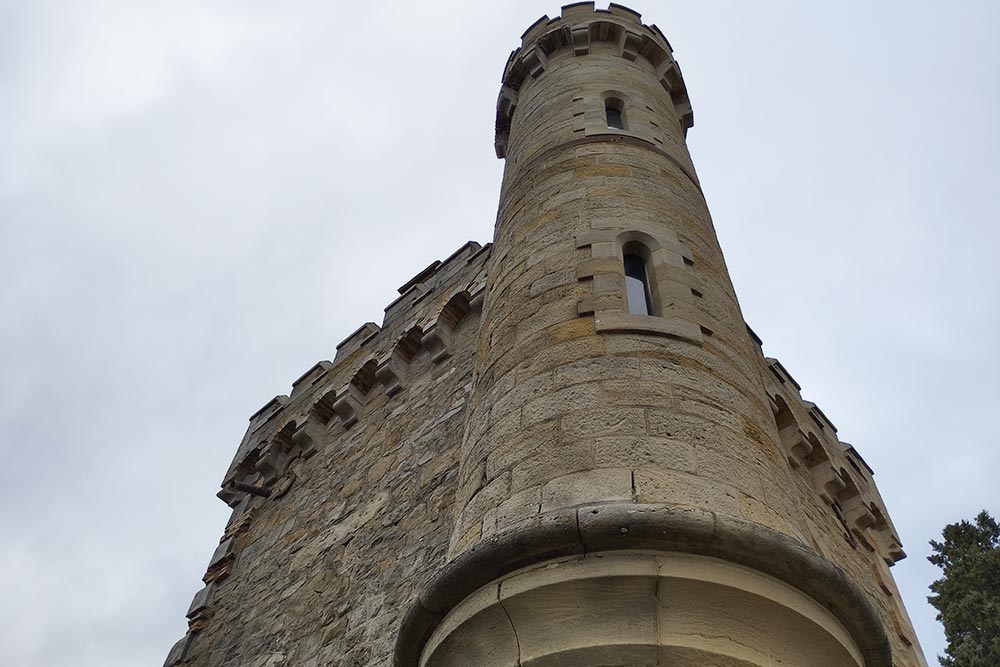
[[194, 198], [82, 66]]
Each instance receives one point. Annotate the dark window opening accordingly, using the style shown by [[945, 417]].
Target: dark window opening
[[637, 286], [613, 111]]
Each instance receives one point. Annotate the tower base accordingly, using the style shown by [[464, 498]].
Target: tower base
[[641, 585]]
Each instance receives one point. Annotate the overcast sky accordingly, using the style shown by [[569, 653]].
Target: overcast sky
[[199, 200]]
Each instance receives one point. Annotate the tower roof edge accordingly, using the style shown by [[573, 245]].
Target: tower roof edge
[[579, 25]]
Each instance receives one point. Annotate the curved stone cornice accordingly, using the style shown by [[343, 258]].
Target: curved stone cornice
[[578, 26], [632, 527]]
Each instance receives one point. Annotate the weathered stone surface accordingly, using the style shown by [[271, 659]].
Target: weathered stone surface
[[605, 485], [634, 609], [512, 414]]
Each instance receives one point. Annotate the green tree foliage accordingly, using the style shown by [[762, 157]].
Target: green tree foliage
[[967, 596]]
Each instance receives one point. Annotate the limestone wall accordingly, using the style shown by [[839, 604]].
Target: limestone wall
[[358, 516]]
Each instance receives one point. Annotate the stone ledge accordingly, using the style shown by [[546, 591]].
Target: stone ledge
[[629, 527], [531, 161], [670, 327]]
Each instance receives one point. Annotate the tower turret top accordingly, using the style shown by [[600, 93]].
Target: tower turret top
[[579, 25]]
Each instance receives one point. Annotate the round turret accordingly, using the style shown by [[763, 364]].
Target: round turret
[[623, 492]]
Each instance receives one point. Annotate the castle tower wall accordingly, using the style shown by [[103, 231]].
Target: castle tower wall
[[566, 448], [577, 401], [625, 495]]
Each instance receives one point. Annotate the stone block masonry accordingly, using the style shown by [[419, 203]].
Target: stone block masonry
[[523, 465]]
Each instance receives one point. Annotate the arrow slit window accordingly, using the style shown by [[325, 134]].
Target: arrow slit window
[[637, 285], [614, 111]]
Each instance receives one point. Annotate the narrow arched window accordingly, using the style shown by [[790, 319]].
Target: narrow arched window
[[614, 110], [637, 285]]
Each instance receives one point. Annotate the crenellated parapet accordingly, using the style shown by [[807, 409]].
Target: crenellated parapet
[[333, 395], [834, 469], [579, 27], [841, 505], [848, 512], [330, 402]]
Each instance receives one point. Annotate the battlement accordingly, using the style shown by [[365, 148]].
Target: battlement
[[578, 27], [429, 309], [835, 470]]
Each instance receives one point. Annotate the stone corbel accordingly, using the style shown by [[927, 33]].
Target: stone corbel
[[581, 39], [797, 446], [391, 372], [308, 437], [476, 297], [230, 495], [273, 462], [534, 59], [500, 144], [438, 340], [682, 107], [858, 515], [630, 43], [670, 76], [507, 101], [827, 482], [348, 404], [889, 547]]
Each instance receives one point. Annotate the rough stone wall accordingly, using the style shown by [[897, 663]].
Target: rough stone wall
[[482, 403], [317, 572], [576, 400], [321, 574]]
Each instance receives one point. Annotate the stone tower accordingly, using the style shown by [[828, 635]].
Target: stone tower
[[566, 448]]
